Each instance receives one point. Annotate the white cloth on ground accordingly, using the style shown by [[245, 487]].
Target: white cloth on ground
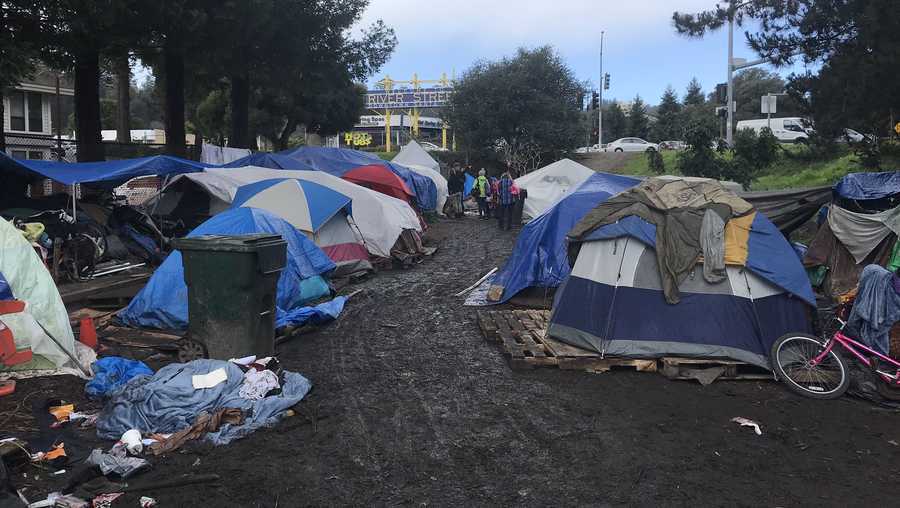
[[257, 383]]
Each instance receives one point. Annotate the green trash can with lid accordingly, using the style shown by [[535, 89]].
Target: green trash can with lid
[[232, 284]]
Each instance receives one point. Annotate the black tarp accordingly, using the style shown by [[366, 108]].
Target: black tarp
[[789, 209]]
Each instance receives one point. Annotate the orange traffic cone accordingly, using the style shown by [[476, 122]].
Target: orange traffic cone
[[88, 334]]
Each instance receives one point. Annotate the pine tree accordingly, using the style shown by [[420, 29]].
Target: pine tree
[[668, 122], [694, 95], [615, 123], [638, 123]]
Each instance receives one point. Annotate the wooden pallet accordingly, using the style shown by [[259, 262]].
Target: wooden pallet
[[708, 370], [522, 334]]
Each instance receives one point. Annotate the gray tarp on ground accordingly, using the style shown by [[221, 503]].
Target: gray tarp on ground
[[168, 402], [789, 209]]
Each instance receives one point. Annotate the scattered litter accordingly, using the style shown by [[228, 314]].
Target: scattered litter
[[106, 500], [258, 383], [147, 502], [891, 441], [57, 473], [745, 422], [117, 462], [132, 441], [196, 462], [209, 380], [62, 412]]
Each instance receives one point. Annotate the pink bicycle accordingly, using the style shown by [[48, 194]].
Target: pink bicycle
[[816, 368]]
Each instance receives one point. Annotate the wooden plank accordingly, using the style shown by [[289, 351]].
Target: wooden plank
[[562, 349], [689, 368], [606, 364], [99, 288]]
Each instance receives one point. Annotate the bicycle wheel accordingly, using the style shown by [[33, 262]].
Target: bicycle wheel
[[791, 358]]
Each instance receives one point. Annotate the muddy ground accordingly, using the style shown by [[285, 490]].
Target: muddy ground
[[411, 406]]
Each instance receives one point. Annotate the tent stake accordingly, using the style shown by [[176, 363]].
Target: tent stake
[[473, 286]]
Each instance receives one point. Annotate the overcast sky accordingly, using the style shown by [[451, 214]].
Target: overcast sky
[[641, 51]]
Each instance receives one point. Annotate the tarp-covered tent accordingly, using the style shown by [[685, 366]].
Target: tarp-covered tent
[[105, 174], [861, 228], [614, 300], [380, 219], [338, 161], [789, 209], [29, 281], [318, 211], [549, 184], [414, 155], [163, 302], [539, 257], [379, 178]]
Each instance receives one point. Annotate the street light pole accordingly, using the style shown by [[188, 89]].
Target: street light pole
[[729, 123], [600, 99]]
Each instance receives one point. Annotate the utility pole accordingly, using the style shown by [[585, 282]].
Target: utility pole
[[729, 109], [600, 102]]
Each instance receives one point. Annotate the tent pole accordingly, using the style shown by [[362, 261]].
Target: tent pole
[[74, 202], [612, 304]]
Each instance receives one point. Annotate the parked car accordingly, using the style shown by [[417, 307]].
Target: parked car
[[672, 145], [785, 130], [631, 145], [431, 147], [854, 136]]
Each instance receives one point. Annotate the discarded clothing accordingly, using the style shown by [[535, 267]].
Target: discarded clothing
[[258, 383], [204, 424], [842, 271], [167, 402], [112, 372], [876, 308], [117, 462], [676, 208], [861, 233], [712, 243], [322, 313]]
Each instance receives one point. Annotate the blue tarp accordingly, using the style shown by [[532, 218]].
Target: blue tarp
[[5, 290], [322, 313], [468, 184], [868, 185], [106, 174], [539, 257], [269, 160], [167, 402], [112, 372], [769, 255], [163, 301]]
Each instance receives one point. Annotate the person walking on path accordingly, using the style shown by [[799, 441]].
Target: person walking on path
[[456, 185], [482, 191], [506, 200]]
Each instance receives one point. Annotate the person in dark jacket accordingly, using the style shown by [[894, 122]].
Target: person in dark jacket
[[505, 200], [456, 185]]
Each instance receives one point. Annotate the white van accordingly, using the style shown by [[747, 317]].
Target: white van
[[786, 130]]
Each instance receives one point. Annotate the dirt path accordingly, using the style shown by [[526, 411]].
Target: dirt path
[[413, 407]]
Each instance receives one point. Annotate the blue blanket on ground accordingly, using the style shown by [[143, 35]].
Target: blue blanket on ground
[[876, 308], [168, 402]]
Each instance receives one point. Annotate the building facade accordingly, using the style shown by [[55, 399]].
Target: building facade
[[31, 113]]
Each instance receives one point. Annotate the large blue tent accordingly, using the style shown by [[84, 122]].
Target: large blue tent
[[105, 174], [865, 186], [539, 257], [163, 302]]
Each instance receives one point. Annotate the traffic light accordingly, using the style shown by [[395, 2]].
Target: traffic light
[[606, 81], [722, 93], [595, 100]]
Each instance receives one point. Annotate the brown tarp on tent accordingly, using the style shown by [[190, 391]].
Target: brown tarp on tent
[[843, 271], [789, 209]]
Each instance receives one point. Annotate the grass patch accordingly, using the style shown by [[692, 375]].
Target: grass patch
[[790, 172], [387, 155], [639, 164]]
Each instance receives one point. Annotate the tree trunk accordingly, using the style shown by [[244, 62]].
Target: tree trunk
[[123, 115], [239, 136], [174, 114], [87, 107], [2, 123], [285, 136]]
